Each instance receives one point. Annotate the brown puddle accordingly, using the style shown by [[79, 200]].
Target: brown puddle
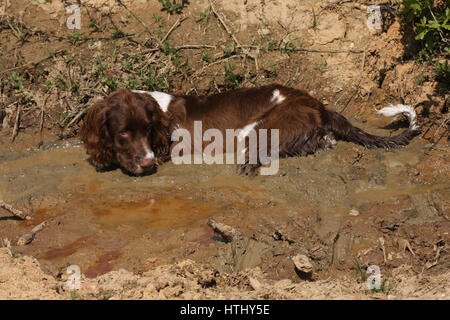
[[103, 265], [105, 221], [39, 215], [68, 249], [152, 213]]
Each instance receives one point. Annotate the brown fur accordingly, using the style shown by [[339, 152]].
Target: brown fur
[[305, 124]]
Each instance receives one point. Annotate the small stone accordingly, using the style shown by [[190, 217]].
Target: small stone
[[264, 32], [256, 285], [302, 263], [283, 284], [354, 212]]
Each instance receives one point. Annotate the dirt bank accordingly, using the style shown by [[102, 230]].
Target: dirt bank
[[22, 278]]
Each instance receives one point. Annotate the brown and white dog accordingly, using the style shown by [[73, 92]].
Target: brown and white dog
[[133, 129]]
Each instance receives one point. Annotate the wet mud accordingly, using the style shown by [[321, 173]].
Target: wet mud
[[343, 207]]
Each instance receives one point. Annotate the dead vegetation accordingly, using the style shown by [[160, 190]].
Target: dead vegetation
[[51, 74]]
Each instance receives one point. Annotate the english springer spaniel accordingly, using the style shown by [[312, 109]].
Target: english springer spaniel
[[133, 129]]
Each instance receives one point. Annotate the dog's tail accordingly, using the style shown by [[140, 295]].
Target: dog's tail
[[344, 130]]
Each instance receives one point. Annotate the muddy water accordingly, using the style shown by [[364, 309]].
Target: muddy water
[[104, 221]]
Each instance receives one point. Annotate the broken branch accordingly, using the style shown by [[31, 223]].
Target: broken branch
[[28, 237], [15, 212], [227, 232]]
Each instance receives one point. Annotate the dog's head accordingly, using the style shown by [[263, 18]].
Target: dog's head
[[131, 129]]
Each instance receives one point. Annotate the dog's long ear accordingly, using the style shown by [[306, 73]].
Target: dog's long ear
[[94, 133]]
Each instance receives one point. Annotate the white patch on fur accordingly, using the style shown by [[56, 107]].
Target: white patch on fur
[[406, 110], [138, 170], [148, 153], [330, 141], [277, 97], [163, 99], [245, 131]]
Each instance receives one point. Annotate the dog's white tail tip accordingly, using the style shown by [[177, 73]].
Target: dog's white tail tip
[[406, 110]]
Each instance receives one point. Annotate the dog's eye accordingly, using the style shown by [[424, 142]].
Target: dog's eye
[[124, 134]]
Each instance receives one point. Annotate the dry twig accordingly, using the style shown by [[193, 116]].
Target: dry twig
[[160, 43], [32, 63], [16, 123], [28, 237], [15, 212], [227, 232], [179, 21], [357, 84], [186, 46], [231, 34], [7, 245]]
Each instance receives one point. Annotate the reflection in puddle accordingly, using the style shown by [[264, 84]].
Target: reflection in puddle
[[159, 214], [68, 249], [103, 265]]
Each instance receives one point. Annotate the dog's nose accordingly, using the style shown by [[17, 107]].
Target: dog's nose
[[146, 162]]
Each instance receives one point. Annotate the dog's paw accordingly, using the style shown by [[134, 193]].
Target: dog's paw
[[248, 169], [100, 167]]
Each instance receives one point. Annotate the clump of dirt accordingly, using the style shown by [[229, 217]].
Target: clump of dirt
[[22, 278]]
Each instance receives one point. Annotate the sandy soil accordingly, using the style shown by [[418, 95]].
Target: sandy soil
[[147, 237], [22, 278]]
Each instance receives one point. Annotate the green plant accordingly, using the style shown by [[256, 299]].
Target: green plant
[[186, 70], [314, 25], [288, 47], [19, 30], [18, 86], [99, 68], [111, 83], [272, 72], [275, 71], [172, 52], [75, 295], [431, 23], [231, 49], [443, 70], [171, 6], [364, 276], [153, 82], [273, 45], [69, 59], [420, 80], [232, 80], [157, 17], [202, 16], [117, 34], [17, 82], [383, 288], [322, 66], [361, 271], [206, 57], [15, 254], [74, 38], [114, 54], [92, 24]]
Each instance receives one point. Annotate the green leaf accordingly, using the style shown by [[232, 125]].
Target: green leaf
[[421, 35]]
